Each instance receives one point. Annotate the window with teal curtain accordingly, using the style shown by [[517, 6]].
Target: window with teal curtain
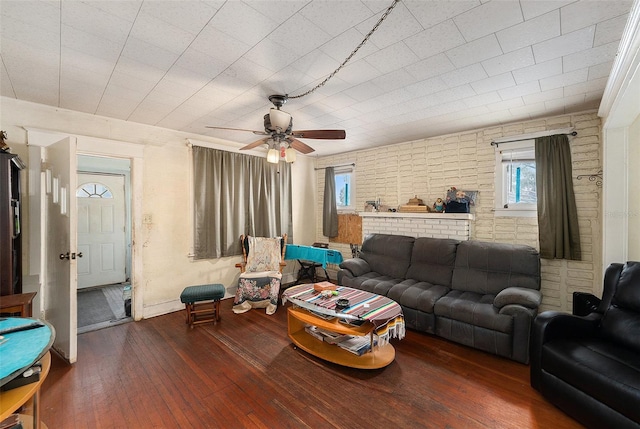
[[236, 194]]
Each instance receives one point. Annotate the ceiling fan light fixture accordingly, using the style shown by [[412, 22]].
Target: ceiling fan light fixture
[[290, 154], [279, 119], [273, 156]]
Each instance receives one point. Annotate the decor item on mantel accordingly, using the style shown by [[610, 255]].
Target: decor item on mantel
[[415, 205], [3, 146], [459, 201], [439, 206]]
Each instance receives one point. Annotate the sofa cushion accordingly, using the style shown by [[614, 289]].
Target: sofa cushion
[[601, 369], [417, 295], [488, 268], [474, 309], [388, 255], [432, 260], [621, 321]]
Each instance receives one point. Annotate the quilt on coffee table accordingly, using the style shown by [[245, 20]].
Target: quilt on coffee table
[[385, 314]]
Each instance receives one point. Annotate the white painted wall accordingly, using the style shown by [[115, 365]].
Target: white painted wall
[[161, 193], [634, 191]]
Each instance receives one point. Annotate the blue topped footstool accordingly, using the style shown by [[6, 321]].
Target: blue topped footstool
[[196, 300]]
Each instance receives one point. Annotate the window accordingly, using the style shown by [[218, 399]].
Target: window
[[516, 179], [93, 190], [345, 191]]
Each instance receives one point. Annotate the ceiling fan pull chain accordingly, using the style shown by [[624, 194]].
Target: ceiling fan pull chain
[[375, 27]]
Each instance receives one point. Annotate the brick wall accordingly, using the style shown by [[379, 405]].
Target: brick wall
[[457, 227], [427, 168]]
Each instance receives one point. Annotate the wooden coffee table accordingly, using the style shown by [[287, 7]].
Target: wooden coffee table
[[305, 313]]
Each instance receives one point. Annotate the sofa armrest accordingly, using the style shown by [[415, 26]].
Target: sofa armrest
[[553, 325], [355, 266], [529, 298]]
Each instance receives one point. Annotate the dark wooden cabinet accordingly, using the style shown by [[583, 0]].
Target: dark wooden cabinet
[[10, 224]]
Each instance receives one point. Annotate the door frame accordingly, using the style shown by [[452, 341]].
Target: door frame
[[99, 147], [87, 164]]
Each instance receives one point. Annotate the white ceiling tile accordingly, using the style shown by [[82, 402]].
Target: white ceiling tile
[[433, 12], [358, 71], [392, 58], [585, 87], [79, 41], [299, 35], [464, 75], [39, 14], [505, 105], [191, 18], [430, 67], [393, 80], [364, 91], [435, 40], [335, 16], [84, 17], [85, 76], [565, 79], [159, 33], [270, 55], [564, 45], [340, 47], [589, 12], [151, 55], [533, 8], [316, 64], [474, 52], [189, 81], [543, 96], [6, 87], [520, 90], [399, 25], [216, 44], [530, 32], [600, 70], [489, 18], [242, 22], [127, 10], [493, 83], [31, 35], [590, 57], [483, 99], [609, 31], [202, 64], [276, 10], [137, 71], [538, 71], [509, 62], [424, 87]]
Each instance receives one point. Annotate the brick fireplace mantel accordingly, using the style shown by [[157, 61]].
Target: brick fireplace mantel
[[436, 225]]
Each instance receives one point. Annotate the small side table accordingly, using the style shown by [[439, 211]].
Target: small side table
[[17, 303]]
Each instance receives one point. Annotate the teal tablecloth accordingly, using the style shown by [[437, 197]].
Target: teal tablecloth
[[315, 254], [20, 350]]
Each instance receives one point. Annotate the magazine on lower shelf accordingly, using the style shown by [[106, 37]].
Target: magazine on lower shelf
[[358, 345]]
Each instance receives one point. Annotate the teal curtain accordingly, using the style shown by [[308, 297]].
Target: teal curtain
[[236, 194], [558, 229]]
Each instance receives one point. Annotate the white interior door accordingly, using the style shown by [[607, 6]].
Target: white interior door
[[61, 243], [101, 229]]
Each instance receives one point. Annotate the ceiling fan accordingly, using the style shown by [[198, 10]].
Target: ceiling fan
[[278, 126]]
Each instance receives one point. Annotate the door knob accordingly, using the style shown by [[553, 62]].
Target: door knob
[[63, 256]]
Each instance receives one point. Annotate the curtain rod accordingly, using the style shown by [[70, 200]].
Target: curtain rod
[[493, 143], [353, 164]]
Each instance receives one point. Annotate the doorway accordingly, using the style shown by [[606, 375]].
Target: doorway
[[104, 242]]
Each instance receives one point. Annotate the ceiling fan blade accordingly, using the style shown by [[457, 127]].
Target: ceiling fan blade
[[260, 133], [320, 134], [299, 146], [255, 144]]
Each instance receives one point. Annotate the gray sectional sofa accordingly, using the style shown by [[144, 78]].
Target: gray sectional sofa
[[484, 295]]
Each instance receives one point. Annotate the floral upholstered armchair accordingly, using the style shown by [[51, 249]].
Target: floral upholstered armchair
[[260, 273]]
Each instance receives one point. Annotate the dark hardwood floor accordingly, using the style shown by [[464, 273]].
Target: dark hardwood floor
[[244, 372]]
